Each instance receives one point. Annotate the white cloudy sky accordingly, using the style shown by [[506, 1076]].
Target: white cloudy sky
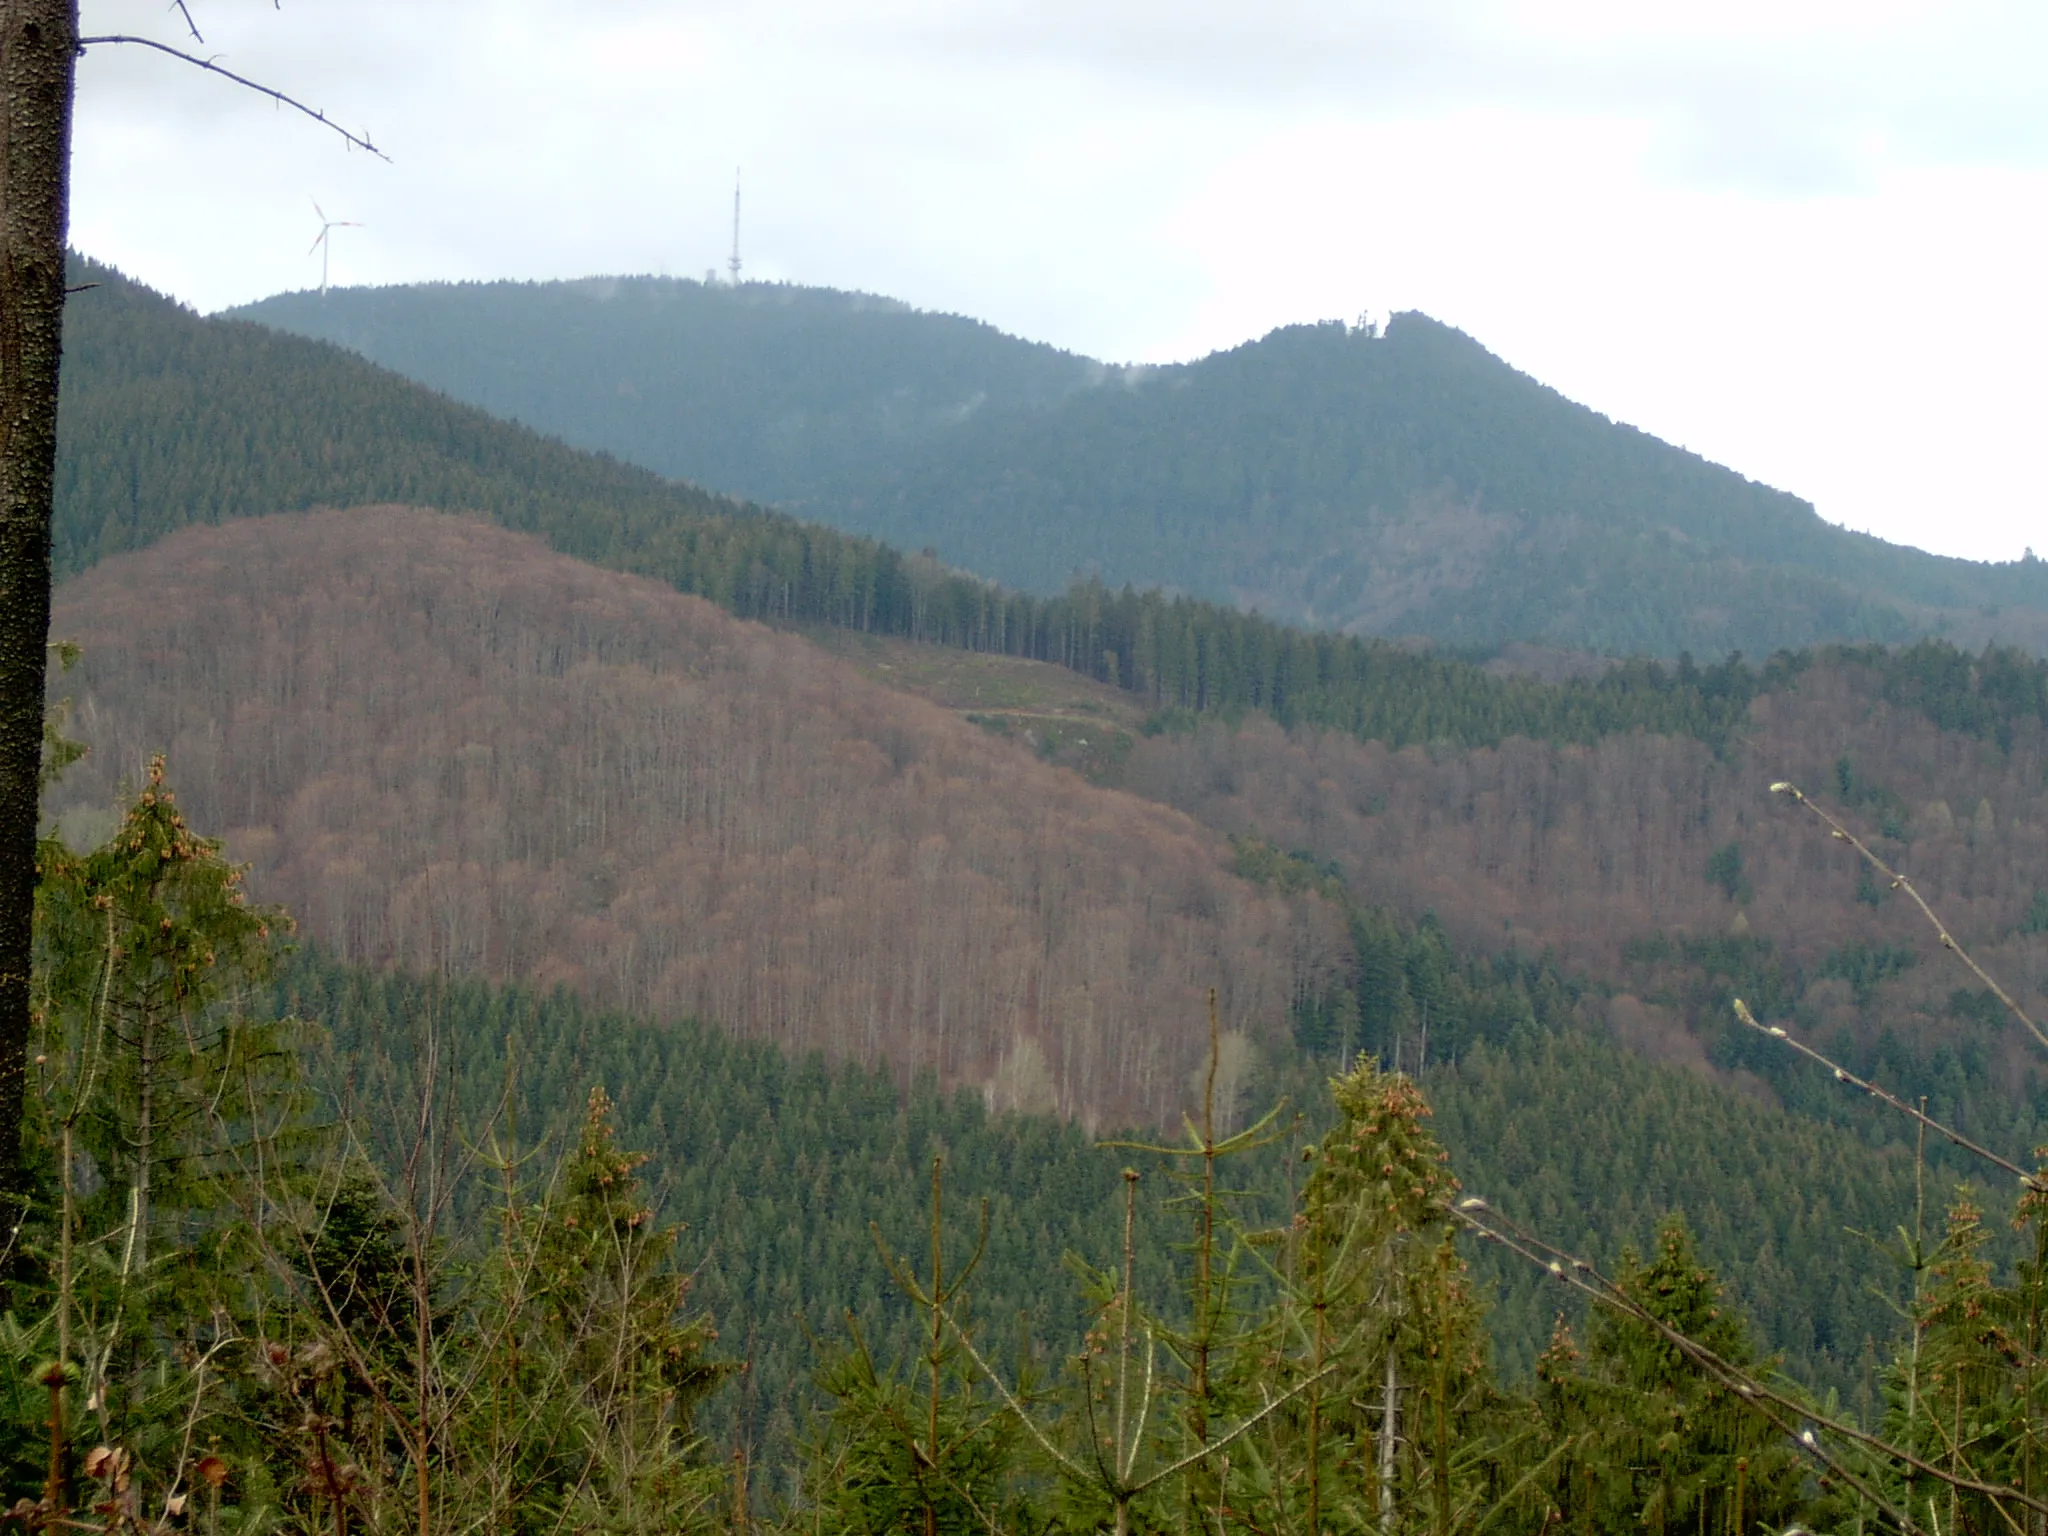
[[1807, 238]]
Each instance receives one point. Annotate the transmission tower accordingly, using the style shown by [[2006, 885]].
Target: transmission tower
[[733, 262]]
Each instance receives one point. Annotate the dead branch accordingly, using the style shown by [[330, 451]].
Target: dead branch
[[355, 140]]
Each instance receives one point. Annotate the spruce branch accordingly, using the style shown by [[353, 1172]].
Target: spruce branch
[[1571, 1270], [1224, 1442], [1059, 1458], [1173, 1469], [1259, 1134], [901, 1274], [1567, 1444]]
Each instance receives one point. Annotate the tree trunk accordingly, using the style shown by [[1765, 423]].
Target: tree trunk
[[1389, 1438], [145, 1148], [38, 55]]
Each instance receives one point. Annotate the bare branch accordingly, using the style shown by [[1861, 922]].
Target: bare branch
[[1844, 1075], [1899, 882], [1755, 1394], [190, 25], [357, 140]]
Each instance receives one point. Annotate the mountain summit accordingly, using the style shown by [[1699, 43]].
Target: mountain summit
[[1396, 482]]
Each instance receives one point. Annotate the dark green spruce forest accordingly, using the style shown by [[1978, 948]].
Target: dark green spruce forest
[[314, 1246], [1398, 482], [170, 419], [338, 1256]]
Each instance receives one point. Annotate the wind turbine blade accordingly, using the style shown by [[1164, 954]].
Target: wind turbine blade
[[317, 243], [317, 209]]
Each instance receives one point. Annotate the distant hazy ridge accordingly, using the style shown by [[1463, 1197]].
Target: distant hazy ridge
[[1409, 483]]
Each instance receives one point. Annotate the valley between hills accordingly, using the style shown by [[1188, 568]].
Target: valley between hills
[[825, 858]]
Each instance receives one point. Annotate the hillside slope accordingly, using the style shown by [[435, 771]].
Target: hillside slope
[[1399, 483], [446, 747], [770, 391], [1664, 867], [170, 419], [778, 1167]]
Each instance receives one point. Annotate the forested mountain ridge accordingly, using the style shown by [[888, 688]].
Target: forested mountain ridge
[[1669, 877], [830, 852], [774, 1158], [234, 646], [770, 392], [1656, 866], [236, 420], [590, 779], [169, 419], [1397, 483]]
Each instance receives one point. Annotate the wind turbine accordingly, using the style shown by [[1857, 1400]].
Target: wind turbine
[[323, 245]]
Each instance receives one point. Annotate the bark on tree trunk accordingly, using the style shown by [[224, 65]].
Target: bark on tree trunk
[[38, 57]]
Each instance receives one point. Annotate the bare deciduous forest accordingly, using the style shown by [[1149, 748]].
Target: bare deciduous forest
[[448, 748], [1592, 850], [814, 859]]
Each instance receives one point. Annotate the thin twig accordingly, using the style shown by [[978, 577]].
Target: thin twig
[[177, 1477], [1843, 1075], [1899, 882], [357, 140], [1611, 1296], [190, 25], [1757, 1394], [1144, 1408]]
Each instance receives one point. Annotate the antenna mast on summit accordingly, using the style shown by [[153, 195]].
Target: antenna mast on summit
[[734, 262]]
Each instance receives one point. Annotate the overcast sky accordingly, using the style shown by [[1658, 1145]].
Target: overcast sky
[[1806, 238]]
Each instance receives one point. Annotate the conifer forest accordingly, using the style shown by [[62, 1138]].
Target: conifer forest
[[567, 1001]]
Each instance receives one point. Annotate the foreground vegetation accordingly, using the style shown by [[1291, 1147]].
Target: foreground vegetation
[[271, 1283], [777, 1169]]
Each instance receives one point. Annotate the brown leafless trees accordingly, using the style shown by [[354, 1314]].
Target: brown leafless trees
[[1583, 848], [447, 748]]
